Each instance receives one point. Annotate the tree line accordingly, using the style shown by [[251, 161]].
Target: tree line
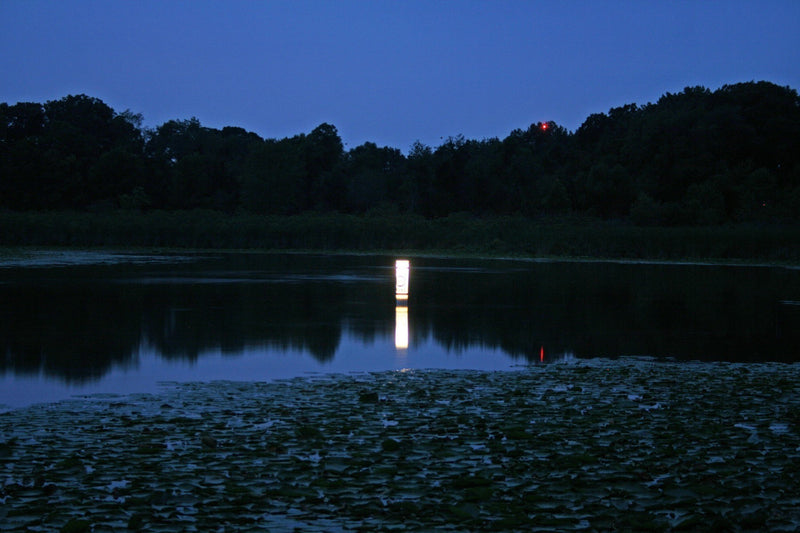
[[697, 157]]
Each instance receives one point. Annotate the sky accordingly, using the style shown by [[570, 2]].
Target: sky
[[388, 72]]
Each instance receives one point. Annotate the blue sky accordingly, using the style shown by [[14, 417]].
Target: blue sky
[[390, 72]]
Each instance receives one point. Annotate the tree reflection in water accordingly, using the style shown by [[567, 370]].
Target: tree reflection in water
[[76, 322]]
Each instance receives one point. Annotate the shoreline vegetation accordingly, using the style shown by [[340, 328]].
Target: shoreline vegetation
[[626, 445], [458, 234], [698, 174]]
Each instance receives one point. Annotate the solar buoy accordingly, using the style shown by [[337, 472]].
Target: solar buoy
[[402, 269]]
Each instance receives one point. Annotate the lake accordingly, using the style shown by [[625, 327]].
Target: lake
[[77, 323]]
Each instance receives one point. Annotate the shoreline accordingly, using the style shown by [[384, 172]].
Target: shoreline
[[16, 253], [458, 235]]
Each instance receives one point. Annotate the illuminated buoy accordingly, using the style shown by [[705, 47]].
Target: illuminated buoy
[[402, 268]]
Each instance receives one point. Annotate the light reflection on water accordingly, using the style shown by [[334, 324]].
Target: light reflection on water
[[122, 323]]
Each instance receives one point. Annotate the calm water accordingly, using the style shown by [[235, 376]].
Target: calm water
[[84, 323]]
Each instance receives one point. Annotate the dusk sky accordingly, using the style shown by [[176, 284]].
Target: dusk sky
[[388, 72]]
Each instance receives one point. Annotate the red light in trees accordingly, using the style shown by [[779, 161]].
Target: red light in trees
[[544, 126]]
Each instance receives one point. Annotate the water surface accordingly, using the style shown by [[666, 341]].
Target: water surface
[[82, 323]]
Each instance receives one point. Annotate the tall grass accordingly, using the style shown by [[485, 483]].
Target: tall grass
[[457, 233]]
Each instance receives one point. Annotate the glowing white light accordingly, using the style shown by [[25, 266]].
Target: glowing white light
[[402, 267], [401, 327]]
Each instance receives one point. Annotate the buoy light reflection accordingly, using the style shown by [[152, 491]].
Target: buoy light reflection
[[402, 267], [401, 327]]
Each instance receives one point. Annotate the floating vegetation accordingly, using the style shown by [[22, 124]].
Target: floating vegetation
[[598, 445]]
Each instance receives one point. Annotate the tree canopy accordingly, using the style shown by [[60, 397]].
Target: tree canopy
[[691, 158]]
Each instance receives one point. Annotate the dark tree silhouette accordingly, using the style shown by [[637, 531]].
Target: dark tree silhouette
[[694, 157]]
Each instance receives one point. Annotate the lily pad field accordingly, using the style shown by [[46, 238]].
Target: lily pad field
[[629, 444]]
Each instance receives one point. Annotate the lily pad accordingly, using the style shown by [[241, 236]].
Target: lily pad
[[557, 447]]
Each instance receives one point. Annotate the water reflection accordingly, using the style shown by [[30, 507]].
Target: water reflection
[[563, 357], [76, 323], [401, 327]]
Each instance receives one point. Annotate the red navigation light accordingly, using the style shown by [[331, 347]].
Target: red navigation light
[[544, 126]]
